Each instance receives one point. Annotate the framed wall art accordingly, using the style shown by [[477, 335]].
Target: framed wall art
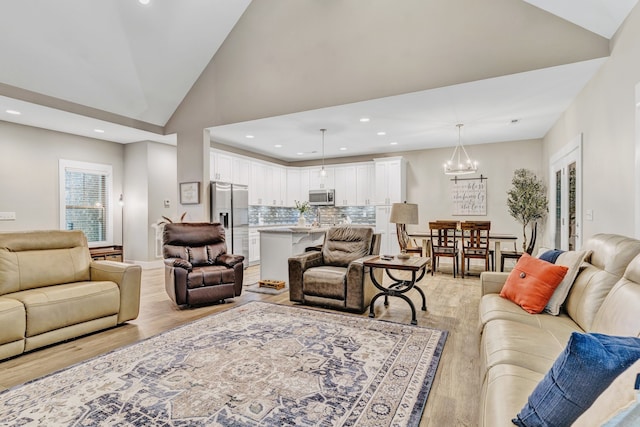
[[469, 196], [189, 193]]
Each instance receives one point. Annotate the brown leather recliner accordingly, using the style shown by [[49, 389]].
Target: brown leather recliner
[[198, 269], [335, 276]]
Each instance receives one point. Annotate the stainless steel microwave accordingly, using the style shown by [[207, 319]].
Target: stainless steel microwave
[[322, 197]]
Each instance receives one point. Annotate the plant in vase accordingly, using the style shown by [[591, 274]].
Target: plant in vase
[[302, 207], [527, 200]]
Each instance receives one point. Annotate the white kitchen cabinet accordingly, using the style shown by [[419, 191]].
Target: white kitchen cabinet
[[269, 190], [297, 186], [388, 237], [283, 185], [275, 185], [254, 247], [365, 180], [221, 166], [316, 182], [257, 184], [391, 180], [345, 185], [240, 171]]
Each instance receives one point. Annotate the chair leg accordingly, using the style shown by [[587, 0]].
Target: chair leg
[[455, 266]]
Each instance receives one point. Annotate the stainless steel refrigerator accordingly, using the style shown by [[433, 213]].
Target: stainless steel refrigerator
[[230, 207]]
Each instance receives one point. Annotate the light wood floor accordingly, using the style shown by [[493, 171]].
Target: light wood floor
[[452, 305]]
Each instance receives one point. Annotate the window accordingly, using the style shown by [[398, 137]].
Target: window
[[85, 200]]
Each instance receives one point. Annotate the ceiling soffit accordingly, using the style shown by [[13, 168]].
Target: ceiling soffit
[[318, 54]]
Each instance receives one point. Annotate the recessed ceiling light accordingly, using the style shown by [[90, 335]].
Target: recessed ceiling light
[[14, 112], [278, 145], [144, 2], [382, 133], [249, 136], [343, 148], [393, 143], [98, 130], [365, 119], [299, 154]]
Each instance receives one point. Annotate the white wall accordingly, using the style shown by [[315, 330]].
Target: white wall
[[429, 187], [150, 178], [605, 113], [29, 182], [29, 174]]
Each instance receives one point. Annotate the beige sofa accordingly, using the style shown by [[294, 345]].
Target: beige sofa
[[51, 290], [518, 348]]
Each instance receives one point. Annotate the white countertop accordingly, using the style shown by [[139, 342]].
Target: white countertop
[[294, 229]]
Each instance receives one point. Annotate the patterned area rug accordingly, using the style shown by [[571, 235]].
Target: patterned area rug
[[256, 364]]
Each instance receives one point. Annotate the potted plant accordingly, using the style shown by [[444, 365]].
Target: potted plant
[[302, 207], [527, 200]]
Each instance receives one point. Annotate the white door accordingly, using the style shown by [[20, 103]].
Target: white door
[[565, 207]]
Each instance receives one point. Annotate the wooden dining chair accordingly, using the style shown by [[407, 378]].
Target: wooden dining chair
[[408, 245], [515, 254], [475, 243], [444, 243]]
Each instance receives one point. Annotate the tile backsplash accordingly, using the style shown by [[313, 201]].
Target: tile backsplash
[[325, 215]]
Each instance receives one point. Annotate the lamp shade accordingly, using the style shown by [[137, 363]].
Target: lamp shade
[[404, 213]]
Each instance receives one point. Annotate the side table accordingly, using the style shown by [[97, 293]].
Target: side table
[[416, 265]]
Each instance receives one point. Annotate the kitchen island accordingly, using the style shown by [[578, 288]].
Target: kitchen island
[[278, 244]]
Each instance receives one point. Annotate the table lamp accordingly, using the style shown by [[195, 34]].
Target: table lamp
[[402, 214]]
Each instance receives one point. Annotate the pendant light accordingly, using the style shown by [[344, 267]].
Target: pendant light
[[456, 164], [323, 173]]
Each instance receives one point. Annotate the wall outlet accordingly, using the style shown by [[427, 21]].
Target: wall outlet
[[7, 216]]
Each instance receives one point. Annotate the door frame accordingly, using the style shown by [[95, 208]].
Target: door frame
[[570, 153]]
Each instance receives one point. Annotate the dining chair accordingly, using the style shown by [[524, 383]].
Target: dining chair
[[444, 243], [515, 254], [475, 243]]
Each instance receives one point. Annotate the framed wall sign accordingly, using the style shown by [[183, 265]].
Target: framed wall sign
[[469, 196], [189, 193]]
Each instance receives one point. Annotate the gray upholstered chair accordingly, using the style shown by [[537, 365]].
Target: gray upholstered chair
[[198, 269], [335, 276]]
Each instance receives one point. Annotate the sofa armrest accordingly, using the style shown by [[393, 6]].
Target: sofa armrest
[[360, 288], [128, 278], [492, 282], [178, 263], [229, 260], [297, 266]]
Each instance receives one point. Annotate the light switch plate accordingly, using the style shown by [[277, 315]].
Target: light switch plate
[[588, 214], [7, 216], [167, 203]]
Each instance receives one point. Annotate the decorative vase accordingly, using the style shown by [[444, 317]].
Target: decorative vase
[[302, 222]]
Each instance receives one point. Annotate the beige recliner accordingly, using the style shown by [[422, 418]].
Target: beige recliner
[[335, 276]]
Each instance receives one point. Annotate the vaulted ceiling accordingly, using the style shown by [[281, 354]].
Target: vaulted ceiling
[[124, 68]]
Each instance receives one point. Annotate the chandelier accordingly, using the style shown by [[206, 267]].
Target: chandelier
[[456, 164]]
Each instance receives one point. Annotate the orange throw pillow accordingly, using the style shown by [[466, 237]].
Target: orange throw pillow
[[532, 282]]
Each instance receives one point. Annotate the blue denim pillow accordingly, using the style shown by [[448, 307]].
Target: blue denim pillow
[[551, 255], [586, 367]]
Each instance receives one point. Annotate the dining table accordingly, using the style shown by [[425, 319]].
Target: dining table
[[497, 238]]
